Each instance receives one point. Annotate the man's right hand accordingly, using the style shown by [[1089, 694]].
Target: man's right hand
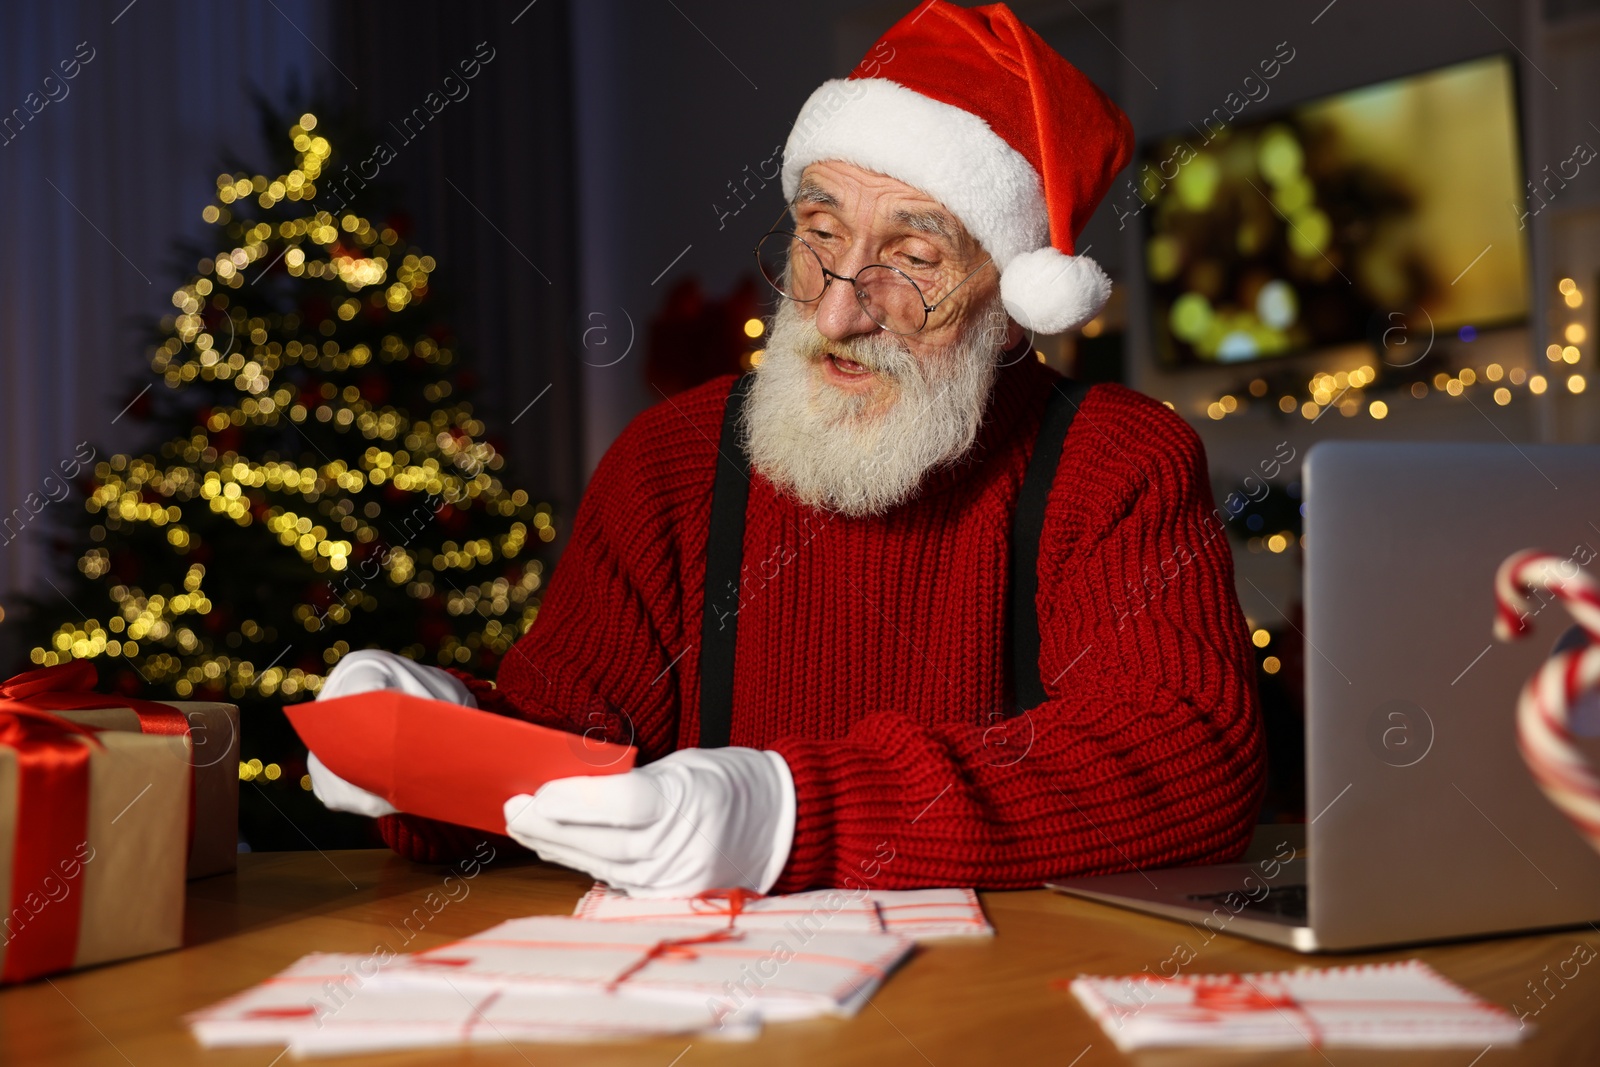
[[363, 671]]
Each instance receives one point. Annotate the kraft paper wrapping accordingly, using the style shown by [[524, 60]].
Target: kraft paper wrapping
[[130, 892], [214, 755]]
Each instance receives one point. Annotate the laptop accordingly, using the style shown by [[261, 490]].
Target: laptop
[[1422, 821]]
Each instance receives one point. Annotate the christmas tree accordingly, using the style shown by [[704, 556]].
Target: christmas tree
[[321, 484]]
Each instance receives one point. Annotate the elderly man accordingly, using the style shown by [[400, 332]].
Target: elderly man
[[902, 607]]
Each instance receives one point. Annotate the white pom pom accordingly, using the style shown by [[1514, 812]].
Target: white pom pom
[[1048, 292]]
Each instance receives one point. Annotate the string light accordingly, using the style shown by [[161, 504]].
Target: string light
[[376, 517], [1575, 334], [1345, 390]]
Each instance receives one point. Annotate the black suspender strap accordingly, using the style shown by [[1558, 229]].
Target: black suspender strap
[[1026, 527], [719, 623]]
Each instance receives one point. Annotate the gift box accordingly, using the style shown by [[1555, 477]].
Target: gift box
[[93, 839], [210, 732], [442, 760], [213, 757]]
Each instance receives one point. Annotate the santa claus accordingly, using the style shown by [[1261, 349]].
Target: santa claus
[[902, 607]]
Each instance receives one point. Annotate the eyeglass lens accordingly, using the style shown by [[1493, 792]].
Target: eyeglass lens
[[791, 266]]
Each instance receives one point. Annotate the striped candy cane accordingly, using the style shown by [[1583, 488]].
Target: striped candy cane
[[1544, 708]]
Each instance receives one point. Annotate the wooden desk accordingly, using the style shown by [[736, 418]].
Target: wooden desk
[[982, 1003]]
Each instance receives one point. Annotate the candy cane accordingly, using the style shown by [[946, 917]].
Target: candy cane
[[1544, 708]]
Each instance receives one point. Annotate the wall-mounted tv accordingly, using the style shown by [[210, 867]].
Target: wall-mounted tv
[[1272, 236]]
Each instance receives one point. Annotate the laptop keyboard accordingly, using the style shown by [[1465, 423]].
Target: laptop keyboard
[[1288, 901]]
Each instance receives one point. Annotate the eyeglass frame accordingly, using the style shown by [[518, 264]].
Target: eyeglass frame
[[828, 276]]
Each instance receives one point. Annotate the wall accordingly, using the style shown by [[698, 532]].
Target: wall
[[96, 187], [489, 186], [673, 102]]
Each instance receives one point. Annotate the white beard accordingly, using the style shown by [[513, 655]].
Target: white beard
[[824, 447]]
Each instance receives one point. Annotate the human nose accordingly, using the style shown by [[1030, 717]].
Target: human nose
[[839, 314]]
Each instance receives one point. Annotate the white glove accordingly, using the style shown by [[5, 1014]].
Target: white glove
[[700, 818], [367, 669], [361, 672], [337, 794]]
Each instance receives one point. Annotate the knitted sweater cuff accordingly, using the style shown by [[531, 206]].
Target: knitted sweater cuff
[[842, 798]]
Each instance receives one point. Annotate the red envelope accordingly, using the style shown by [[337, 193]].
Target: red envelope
[[443, 760]]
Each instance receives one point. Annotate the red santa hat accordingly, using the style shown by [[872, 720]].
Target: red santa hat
[[973, 108]]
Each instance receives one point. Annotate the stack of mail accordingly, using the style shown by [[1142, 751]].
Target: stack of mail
[[781, 973], [927, 914], [556, 978], [919, 914], [329, 1003], [1388, 1005]]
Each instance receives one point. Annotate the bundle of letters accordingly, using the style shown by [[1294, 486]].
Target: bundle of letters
[[718, 965], [1383, 1005], [919, 914]]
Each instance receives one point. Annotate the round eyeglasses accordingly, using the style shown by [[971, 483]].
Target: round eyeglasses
[[890, 297]]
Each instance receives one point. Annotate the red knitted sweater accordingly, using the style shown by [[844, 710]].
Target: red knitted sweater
[[872, 652]]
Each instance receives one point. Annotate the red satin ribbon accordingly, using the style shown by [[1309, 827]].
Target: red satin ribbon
[[673, 948], [734, 902], [52, 819], [1232, 994], [1235, 993], [70, 686], [681, 948]]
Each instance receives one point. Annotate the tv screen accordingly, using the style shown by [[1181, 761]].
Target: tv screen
[[1270, 236]]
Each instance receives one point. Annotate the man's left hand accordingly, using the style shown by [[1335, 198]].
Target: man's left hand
[[700, 818]]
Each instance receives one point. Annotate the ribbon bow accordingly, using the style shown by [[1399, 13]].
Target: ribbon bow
[[70, 686], [23, 727], [678, 948], [1233, 994], [682, 948], [733, 902]]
